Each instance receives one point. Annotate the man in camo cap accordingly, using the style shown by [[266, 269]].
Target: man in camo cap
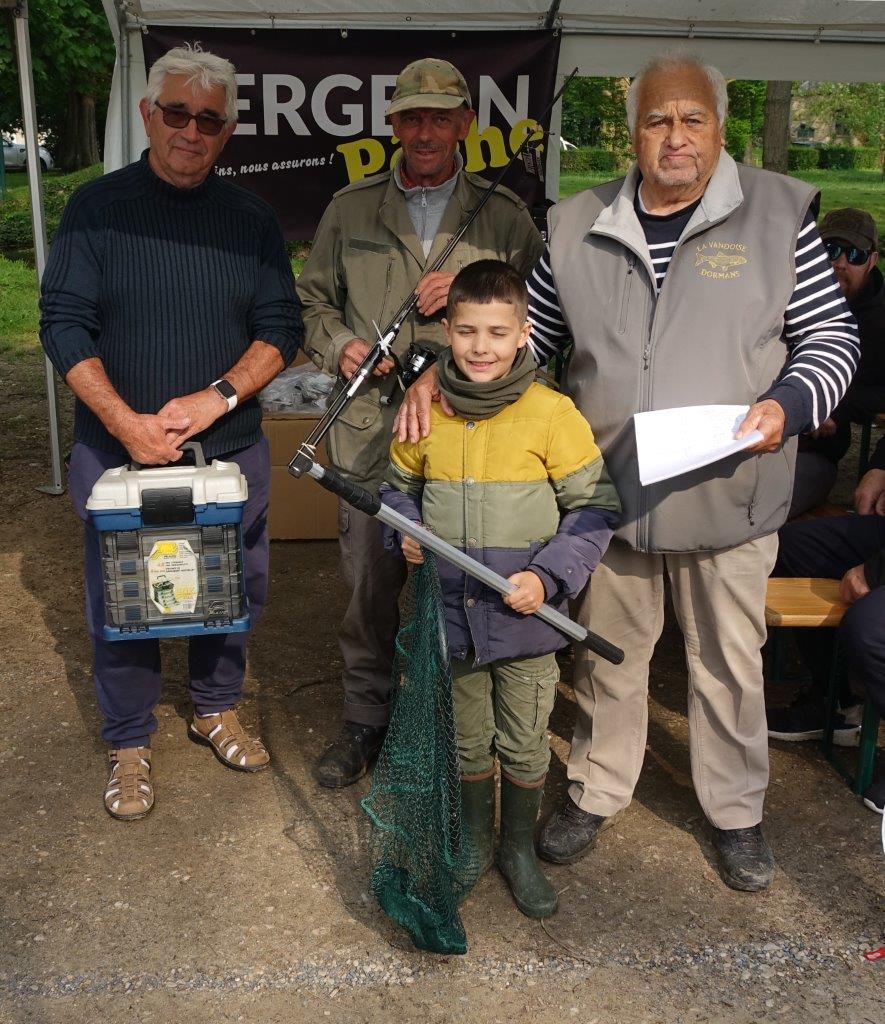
[[372, 248]]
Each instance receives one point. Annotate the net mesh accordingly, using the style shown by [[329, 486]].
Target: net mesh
[[425, 863]]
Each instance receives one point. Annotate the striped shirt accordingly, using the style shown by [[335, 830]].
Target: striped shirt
[[819, 330]]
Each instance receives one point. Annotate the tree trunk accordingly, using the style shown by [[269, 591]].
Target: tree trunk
[[776, 126], [78, 142]]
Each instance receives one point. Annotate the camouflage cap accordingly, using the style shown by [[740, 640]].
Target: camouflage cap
[[429, 82], [856, 227]]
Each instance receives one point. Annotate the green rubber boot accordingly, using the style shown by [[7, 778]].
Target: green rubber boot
[[478, 820], [533, 894]]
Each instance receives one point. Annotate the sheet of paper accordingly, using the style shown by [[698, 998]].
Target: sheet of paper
[[670, 442]]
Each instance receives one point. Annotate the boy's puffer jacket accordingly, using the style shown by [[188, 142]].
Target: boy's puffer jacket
[[524, 489]]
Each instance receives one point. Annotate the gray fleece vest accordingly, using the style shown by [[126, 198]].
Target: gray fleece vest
[[713, 335]]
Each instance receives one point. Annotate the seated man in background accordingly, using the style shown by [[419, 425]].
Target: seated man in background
[[852, 244], [849, 548]]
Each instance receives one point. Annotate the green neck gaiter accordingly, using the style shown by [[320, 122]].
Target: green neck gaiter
[[478, 400]]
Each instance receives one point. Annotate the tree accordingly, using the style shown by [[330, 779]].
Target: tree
[[857, 108], [73, 59], [593, 113], [776, 126], [743, 126]]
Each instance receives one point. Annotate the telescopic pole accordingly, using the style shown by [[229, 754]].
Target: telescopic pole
[[365, 502]]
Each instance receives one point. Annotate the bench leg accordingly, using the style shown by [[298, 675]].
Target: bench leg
[[866, 755]]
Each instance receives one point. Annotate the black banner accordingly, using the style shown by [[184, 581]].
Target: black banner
[[312, 105]]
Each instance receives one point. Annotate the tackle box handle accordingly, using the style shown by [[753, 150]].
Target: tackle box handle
[[195, 449]]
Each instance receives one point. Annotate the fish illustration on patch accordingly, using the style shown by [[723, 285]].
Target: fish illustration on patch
[[719, 260]]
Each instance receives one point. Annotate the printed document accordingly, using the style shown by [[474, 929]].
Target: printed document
[[670, 442]]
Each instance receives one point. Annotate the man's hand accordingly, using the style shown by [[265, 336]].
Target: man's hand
[[413, 418], [198, 410], [826, 429], [869, 497], [146, 437], [412, 551], [768, 418], [530, 595], [853, 585], [353, 353], [433, 292]]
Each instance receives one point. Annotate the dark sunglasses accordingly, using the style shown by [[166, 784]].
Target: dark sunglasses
[[173, 117], [854, 255]]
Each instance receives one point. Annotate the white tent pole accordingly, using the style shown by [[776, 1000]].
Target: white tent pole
[[35, 180], [125, 84]]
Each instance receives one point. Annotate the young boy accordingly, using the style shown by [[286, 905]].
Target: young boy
[[516, 480]]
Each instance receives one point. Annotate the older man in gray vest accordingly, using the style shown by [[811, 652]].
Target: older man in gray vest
[[692, 280]]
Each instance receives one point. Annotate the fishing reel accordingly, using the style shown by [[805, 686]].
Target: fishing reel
[[418, 359]]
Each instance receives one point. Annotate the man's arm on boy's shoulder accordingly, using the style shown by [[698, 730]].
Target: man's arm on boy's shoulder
[[587, 499]]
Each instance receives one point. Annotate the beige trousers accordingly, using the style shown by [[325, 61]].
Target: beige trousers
[[719, 599]]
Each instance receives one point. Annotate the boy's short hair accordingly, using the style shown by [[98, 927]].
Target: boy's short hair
[[489, 281]]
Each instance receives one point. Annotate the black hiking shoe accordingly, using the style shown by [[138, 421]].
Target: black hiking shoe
[[745, 859], [570, 833], [874, 797], [532, 891], [804, 720], [350, 754]]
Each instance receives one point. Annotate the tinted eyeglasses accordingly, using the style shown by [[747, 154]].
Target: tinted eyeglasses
[[207, 124], [854, 255]]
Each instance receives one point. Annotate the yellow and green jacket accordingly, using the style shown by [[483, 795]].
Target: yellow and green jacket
[[524, 489]]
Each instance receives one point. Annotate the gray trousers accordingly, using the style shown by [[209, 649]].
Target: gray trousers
[[375, 578], [719, 598]]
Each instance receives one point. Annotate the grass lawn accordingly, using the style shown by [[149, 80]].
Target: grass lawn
[[18, 305]]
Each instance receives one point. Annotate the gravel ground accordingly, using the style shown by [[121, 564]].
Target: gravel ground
[[244, 898]]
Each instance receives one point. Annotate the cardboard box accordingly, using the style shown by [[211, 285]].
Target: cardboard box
[[299, 509]]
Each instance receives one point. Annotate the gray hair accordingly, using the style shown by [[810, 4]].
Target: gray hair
[[670, 62], [200, 68]]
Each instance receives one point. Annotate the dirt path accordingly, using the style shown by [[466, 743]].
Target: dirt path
[[245, 898]]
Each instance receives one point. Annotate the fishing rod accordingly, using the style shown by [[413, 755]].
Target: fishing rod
[[420, 357], [365, 502]]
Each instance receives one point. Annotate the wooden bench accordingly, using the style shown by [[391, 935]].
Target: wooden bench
[[805, 603]]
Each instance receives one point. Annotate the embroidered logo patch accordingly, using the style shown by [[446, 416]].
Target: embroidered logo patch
[[719, 261]]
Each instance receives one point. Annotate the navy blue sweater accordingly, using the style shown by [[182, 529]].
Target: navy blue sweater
[[168, 287]]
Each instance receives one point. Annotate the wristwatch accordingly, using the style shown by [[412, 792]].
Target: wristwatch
[[227, 391]]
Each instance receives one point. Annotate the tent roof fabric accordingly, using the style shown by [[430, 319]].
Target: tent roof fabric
[[829, 20]]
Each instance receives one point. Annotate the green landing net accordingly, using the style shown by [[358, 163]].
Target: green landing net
[[425, 864]]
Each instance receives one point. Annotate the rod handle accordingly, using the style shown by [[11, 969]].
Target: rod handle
[[599, 645], [333, 481]]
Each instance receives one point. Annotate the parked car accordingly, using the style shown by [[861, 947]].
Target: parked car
[[15, 158]]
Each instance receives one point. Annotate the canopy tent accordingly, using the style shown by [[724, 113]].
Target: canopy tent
[[817, 40]]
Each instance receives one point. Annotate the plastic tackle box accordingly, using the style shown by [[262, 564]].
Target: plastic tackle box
[[172, 548]]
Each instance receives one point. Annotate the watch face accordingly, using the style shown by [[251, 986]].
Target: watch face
[[225, 389]]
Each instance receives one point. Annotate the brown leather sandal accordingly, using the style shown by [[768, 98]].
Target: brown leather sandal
[[229, 742], [129, 794]]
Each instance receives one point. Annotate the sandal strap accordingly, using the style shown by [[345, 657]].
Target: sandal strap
[[230, 737], [130, 777]]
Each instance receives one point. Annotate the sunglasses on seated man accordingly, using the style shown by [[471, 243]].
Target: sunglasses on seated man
[[177, 117], [853, 254]]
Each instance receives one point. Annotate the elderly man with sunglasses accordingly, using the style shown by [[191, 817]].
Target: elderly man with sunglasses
[[852, 243], [167, 303]]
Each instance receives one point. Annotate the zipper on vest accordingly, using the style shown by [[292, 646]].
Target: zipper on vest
[[625, 301]]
